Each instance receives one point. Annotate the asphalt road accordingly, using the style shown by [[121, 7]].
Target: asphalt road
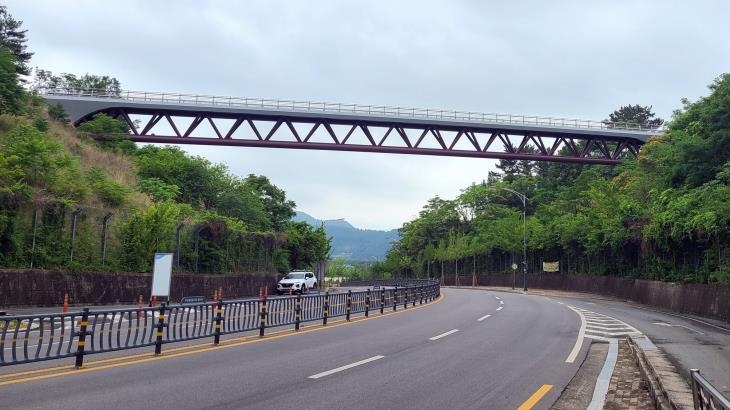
[[436, 356], [689, 342]]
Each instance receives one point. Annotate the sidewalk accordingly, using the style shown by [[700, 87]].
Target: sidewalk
[[627, 389]]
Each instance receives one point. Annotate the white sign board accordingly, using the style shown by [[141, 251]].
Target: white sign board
[[162, 274], [514, 266]]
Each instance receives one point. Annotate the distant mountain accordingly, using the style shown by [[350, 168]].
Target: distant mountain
[[352, 243]]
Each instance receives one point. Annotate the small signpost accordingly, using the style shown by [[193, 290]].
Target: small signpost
[[514, 275], [162, 275]]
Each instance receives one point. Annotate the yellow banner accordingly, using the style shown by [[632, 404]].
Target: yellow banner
[[551, 266]]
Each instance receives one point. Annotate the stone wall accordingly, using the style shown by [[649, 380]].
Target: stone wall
[[46, 288]]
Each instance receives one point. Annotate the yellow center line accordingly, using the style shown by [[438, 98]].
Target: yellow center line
[[188, 350], [532, 401]]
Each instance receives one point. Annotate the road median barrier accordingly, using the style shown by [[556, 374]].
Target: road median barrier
[[39, 337]]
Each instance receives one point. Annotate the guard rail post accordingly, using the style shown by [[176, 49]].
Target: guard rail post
[[367, 302], [395, 298], [405, 298], [415, 293], [382, 300], [349, 304], [420, 295], [218, 317], [262, 320], [160, 327], [326, 308], [695, 393], [81, 344], [298, 312]]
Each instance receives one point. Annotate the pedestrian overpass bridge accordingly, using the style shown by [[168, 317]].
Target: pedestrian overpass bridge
[[169, 118]]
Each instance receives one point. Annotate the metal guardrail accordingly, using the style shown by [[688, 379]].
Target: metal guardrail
[[705, 396], [352, 109], [33, 338]]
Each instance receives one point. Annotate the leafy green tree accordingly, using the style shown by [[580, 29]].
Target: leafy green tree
[[11, 93], [306, 245], [634, 115], [240, 201], [13, 39], [56, 112], [280, 209], [87, 83], [110, 133]]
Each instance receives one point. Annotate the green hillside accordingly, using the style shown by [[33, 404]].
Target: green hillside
[[88, 199]]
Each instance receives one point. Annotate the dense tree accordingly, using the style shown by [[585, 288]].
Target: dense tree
[[634, 115], [280, 209], [110, 133], [663, 216], [11, 93], [87, 83], [13, 39]]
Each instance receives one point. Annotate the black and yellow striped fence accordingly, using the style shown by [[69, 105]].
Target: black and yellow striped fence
[[32, 338]]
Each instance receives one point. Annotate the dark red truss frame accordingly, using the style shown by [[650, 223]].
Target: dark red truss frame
[[581, 147]]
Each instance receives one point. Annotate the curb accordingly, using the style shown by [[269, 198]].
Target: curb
[[666, 386]]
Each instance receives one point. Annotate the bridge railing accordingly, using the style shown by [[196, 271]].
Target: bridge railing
[[32, 338], [349, 109], [706, 396]]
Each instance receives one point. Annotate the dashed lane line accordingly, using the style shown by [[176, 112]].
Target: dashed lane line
[[345, 367], [500, 308], [483, 317], [450, 332]]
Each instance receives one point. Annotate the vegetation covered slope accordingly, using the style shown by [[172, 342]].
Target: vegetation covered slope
[[90, 200], [664, 216]]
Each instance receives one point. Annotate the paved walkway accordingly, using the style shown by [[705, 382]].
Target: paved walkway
[[627, 389]]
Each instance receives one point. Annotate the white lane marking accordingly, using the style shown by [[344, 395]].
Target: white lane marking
[[671, 325], [579, 341], [345, 367], [501, 302], [561, 303], [683, 317], [483, 317], [443, 334], [599, 393], [497, 297], [500, 308]]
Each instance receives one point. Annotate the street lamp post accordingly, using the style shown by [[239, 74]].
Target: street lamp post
[[523, 197]]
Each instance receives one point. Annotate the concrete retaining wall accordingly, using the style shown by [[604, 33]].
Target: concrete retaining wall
[[712, 301], [44, 288]]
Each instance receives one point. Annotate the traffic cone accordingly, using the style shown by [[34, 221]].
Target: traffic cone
[[65, 302]]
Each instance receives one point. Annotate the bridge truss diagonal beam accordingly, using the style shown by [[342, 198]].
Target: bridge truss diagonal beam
[[375, 135]]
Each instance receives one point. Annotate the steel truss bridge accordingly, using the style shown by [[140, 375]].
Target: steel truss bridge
[[253, 122]]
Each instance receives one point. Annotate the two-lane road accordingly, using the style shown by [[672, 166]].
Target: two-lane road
[[470, 350]]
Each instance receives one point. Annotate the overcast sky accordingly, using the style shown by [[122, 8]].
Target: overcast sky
[[579, 59]]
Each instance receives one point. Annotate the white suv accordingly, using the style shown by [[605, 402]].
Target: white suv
[[297, 281]]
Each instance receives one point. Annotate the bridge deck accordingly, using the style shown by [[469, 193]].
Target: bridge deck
[[81, 106]]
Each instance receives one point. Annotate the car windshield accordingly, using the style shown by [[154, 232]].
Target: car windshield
[[294, 276]]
